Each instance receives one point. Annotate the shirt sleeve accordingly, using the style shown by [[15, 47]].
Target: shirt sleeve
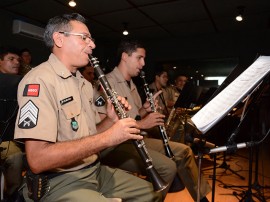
[[100, 99], [37, 114]]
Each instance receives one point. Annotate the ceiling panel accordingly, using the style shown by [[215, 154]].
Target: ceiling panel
[[163, 20], [179, 11], [168, 18], [134, 19], [101, 7]]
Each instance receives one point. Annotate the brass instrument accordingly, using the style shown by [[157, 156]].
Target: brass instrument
[[158, 183], [176, 122]]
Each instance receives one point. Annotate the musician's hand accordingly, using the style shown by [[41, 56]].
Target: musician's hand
[[111, 113], [123, 130], [147, 104], [157, 94], [151, 120]]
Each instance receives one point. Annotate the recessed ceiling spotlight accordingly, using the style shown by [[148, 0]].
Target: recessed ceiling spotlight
[[125, 32], [239, 16], [72, 3]]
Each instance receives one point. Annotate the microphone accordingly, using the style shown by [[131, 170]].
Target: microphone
[[203, 143], [199, 141], [233, 147]]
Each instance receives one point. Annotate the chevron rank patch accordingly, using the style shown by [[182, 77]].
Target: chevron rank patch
[[28, 115], [31, 90], [100, 101]]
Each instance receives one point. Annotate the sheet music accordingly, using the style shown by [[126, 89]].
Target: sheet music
[[224, 102]]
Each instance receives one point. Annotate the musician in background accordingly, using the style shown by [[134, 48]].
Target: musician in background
[[61, 128], [165, 99], [180, 82], [11, 156], [88, 73], [131, 54], [26, 60]]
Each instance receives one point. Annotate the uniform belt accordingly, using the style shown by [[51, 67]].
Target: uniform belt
[[51, 175]]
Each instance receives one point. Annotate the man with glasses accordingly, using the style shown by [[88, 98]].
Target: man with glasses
[[11, 153], [57, 121], [85, 37]]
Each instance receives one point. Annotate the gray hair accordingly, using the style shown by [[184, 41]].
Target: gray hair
[[60, 23]]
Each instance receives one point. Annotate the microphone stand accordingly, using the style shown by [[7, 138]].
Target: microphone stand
[[248, 194], [203, 149], [232, 147]]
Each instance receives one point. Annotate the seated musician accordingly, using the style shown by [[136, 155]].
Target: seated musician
[[131, 55], [57, 121], [11, 152], [166, 98]]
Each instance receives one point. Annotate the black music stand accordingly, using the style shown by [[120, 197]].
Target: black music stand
[[252, 111], [188, 96], [188, 99], [234, 74], [8, 111]]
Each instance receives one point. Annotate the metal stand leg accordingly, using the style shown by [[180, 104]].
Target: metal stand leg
[[2, 186], [200, 155], [214, 178], [225, 166], [1, 175], [249, 194]]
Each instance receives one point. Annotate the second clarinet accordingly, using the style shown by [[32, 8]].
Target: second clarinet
[[162, 129], [158, 183]]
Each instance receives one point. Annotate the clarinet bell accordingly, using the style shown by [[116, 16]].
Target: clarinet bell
[[158, 183]]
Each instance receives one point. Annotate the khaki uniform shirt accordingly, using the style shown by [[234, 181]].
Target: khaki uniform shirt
[[51, 99], [176, 93], [120, 86]]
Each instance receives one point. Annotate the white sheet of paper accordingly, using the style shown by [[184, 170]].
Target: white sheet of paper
[[224, 102]]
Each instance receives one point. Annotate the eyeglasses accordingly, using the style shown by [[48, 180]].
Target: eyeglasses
[[85, 37]]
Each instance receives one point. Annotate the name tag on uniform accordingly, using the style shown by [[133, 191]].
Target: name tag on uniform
[[66, 100]]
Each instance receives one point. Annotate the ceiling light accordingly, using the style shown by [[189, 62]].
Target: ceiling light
[[125, 32], [72, 3], [239, 16]]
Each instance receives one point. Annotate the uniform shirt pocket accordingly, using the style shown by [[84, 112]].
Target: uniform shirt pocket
[[71, 109]]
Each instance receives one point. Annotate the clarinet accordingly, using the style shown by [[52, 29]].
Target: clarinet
[[158, 183], [177, 183], [162, 129]]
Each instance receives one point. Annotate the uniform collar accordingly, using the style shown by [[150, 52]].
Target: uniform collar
[[59, 68], [120, 78]]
